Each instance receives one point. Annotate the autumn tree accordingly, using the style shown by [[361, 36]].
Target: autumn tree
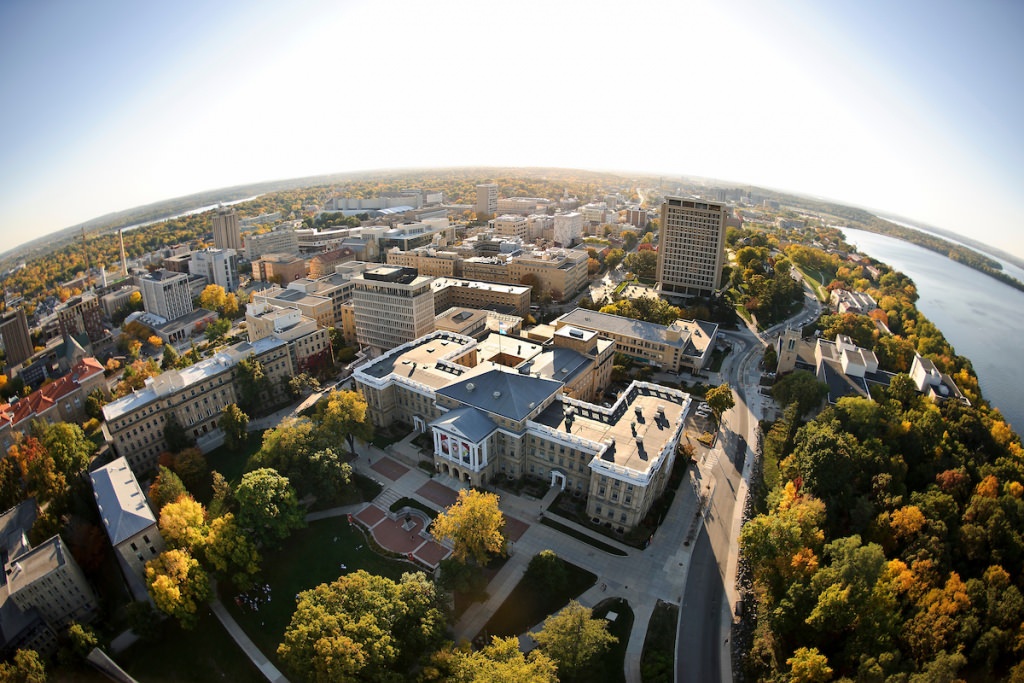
[[573, 638], [363, 627], [223, 497], [66, 444], [166, 488], [629, 239], [720, 399], [267, 506], [808, 665], [183, 524], [344, 418], [230, 552], [234, 423], [474, 524], [499, 660], [82, 638], [190, 465], [175, 435], [24, 667], [252, 384], [547, 571], [802, 388], [11, 483], [213, 298], [178, 585]]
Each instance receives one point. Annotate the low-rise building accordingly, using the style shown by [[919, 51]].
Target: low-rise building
[[278, 268], [62, 400], [491, 415], [280, 240], [128, 520], [683, 345], [852, 302], [308, 344], [195, 396], [218, 266], [465, 321], [504, 298]]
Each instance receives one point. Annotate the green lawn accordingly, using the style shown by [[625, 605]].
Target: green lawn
[[526, 606], [612, 666], [658, 659], [231, 463], [205, 653], [311, 556]]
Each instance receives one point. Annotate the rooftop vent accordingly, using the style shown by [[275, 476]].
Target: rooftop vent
[[470, 387], [496, 394]]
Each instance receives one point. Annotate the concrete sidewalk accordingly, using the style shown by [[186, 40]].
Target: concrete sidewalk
[[254, 653]]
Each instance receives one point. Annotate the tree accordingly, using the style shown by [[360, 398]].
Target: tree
[[171, 357], [573, 639], [363, 627], [11, 487], [474, 524], [24, 667], [288, 447], [234, 423], [190, 465], [178, 585], [222, 499], [629, 239], [643, 263], [67, 444], [252, 382], [326, 475], [720, 399], [217, 329], [175, 435], [344, 417], [166, 488], [94, 403], [83, 639], [808, 665], [802, 388], [614, 258], [500, 661], [183, 524], [268, 506], [302, 383], [230, 552], [771, 358], [213, 298], [547, 571]]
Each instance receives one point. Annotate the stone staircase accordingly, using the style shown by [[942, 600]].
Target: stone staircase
[[387, 498]]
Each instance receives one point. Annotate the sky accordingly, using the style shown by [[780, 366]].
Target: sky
[[911, 108]]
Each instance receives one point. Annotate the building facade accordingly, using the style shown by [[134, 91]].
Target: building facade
[[166, 294], [491, 420], [691, 247], [128, 520], [218, 266], [278, 268], [486, 199], [79, 315], [227, 230], [281, 240], [392, 306], [195, 396], [17, 340]]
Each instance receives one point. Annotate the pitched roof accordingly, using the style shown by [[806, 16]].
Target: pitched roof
[[507, 394], [45, 397], [119, 498], [469, 423]]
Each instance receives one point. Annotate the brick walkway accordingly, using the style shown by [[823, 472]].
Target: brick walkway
[[401, 536], [389, 468], [436, 493]]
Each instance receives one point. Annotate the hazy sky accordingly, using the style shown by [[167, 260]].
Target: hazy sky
[[909, 107]]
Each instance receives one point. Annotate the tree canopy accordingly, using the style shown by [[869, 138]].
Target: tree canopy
[[268, 508], [573, 638], [178, 585], [474, 524], [363, 627]]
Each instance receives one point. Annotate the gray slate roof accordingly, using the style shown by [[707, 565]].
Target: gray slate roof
[[507, 394], [122, 505], [469, 423]]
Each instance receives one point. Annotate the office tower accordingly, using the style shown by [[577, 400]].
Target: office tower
[[218, 266], [392, 306], [166, 294], [15, 335], [486, 199], [691, 247], [81, 315], [227, 232]]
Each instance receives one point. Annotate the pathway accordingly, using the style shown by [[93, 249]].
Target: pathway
[[235, 631]]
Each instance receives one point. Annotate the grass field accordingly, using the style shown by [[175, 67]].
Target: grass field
[[658, 659], [611, 667], [309, 557], [526, 606]]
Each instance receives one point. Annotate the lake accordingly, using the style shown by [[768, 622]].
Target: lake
[[981, 317]]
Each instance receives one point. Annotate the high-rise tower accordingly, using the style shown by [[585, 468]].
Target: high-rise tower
[[691, 247], [227, 232]]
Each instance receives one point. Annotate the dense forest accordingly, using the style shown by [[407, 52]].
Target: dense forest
[[889, 543]]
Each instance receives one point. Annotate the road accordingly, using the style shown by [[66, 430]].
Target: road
[[705, 619]]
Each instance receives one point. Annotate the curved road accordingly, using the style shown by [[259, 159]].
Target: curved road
[[705, 617]]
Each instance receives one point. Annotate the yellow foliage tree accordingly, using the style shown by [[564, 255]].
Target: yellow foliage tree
[[474, 525], [183, 524], [178, 585]]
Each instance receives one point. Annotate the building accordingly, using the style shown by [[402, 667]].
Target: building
[[568, 228], [15, 336], [195, 397], [218, 266], [512, 299], [227, 231], [524, 206], [392, 306], [280, 240], [465, 321], [308, 344], [62, 400], [509, 226], [118, 300], [128, 520], [491, 416], [691, 247], [324, 264], [683, 345], [166, 294], [301, 294], [849, 370], [427, 261], [596, 213], [81, 314], [559, 272], [486, 199], [278, 268], [852, 302], [638, 218], [177, 263]]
